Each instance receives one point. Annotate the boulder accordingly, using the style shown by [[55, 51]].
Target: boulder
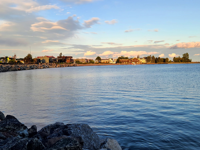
[[11, 125], [112, 144], [32, 131], [66, 144], [89, 138], [2, 116]]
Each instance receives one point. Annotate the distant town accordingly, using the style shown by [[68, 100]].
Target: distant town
[[69, 60]]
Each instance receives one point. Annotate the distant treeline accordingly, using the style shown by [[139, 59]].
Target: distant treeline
[[152, 59]]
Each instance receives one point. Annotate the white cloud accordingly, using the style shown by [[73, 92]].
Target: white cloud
[[173, 55], [50, 41], [110, 43], [133, 53], [162, 55], [186, 45], [131, 30], [78, 1], [92, 21], [159, 41], [107, 53], [154, 30], [114, 21], [44, 7], [89, 53], [45, 51], [196, 54]]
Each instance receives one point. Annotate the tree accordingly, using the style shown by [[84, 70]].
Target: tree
[[186, 57], [149, 58], [60, 55], [98, 59], [153, 59], [122, 57], [28, 58], [138, 56]]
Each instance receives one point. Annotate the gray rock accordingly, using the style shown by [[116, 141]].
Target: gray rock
[[32, 131], [11, 125], [35, 144], [112, 145], [66, 144], [90, 139], [2, 116]]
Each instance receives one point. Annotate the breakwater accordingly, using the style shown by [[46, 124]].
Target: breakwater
[[16, 136], [19, 67]]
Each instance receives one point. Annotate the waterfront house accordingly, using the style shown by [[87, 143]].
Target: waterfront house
[[65, 59], [81, 60]]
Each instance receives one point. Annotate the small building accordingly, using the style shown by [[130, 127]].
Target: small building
[[65, 59], [124, 61], [81, 60], [142, 60], [105, 61]]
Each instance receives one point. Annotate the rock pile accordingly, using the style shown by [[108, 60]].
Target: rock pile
[[58, 136], [5, 68]]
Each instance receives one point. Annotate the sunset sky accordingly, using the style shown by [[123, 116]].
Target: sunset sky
[[106, 28]]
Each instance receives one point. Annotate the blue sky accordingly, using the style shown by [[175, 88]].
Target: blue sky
[[106, 28]]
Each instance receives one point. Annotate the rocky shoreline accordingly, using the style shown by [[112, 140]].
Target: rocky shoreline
[[8, 67], [58, 136]]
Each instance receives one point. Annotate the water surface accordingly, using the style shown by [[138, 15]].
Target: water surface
[[144, 106]]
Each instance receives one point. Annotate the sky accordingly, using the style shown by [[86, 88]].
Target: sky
[[105, 28]]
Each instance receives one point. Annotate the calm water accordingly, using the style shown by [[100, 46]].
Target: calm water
[[143, 107]]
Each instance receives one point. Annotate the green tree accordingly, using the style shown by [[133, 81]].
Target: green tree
[[186, 57], [149, 59], [60, 55], [122, 57], [91, 61], [153, 59], [98, 59], [28, 58]]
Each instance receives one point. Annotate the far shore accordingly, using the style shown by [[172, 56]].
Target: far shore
[[102, 64]]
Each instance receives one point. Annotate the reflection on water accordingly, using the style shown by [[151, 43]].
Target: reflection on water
[[143, 107]]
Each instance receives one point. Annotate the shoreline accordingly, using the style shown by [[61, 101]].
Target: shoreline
[[20, 67], [16, 136]]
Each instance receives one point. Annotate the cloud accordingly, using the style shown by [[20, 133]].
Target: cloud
[[50, 41], [111, 43], [107, 53], [134, 53], [155, 30], [114, 21], [92, 21], [93, 32], [89, 53], [186, 45], [162, 55], [45, 51], [159, 41], [192, 36], [131, 30], [196, 54], [150, 41], [9, 41], [173, 55], [78, 1], [44, 7]]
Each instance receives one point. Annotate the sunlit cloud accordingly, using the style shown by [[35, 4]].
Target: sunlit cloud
[[89, 53], [131, 30], [159, 41], [50, 41], [78, 1], [196, 54], [173, 55], [186, 45], [155, 30], [162, 55], [107, 53], [39, 8], [114, 21], [45, 51], [92, 21], [111, 43]]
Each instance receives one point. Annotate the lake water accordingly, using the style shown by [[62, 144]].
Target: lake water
[[146, 107]]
